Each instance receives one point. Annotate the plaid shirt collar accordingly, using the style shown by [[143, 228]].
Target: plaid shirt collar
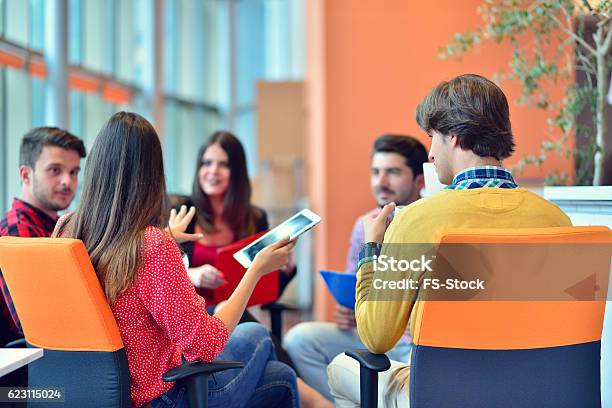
[[483, 176], [36, 222]]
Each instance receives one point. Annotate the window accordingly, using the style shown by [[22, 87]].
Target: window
[[213, 51]]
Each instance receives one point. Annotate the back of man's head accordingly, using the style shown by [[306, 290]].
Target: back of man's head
[[472, 108], [409, 147], [37, 138]]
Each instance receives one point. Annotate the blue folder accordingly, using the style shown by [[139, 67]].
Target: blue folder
[[341, 286]]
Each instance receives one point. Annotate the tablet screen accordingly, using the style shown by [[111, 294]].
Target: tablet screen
[[287, 228]]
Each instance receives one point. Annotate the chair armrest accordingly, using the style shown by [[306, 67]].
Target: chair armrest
[[19, 343], [195, 368], [369, 360], [370, 365], [274, 307]]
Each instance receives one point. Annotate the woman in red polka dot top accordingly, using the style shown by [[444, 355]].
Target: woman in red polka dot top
[[121, 219]]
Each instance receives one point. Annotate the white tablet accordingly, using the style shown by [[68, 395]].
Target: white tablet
[[293, 227]]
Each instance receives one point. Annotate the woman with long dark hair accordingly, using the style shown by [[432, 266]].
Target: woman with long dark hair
[[121, 219], [221, 196]]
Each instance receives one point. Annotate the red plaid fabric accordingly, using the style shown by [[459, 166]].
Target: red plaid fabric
[[22, 220]]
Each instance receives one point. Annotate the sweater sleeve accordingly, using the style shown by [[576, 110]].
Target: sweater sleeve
[[382, 314], [169, 296]]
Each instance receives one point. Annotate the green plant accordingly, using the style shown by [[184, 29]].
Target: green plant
[[549, 46]]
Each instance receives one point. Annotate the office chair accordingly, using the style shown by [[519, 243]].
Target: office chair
[[63, 310], [507, 353]]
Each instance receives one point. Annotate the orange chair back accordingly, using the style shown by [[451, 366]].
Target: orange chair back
[[520, 324], [57, 295]]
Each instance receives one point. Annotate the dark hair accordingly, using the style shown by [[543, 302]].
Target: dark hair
[[413, 151], [238, 212], [37, 138], [124, 192], [472, 108]]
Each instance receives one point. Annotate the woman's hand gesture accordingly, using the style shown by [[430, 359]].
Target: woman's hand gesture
[[178, 223]]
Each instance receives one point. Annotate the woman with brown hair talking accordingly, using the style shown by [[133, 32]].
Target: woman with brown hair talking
[[221, 196], [121, 220]]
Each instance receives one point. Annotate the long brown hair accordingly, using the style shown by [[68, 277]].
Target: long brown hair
[[124, 192], [238, 212]]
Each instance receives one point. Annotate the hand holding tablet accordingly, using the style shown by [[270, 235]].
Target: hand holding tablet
[[292, 228]]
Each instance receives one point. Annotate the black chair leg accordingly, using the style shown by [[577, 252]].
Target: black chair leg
[[276, 323], [276, 317], [197, 390], [370, 365], [368, 387]]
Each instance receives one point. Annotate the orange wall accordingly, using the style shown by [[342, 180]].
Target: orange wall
[[370, 62]]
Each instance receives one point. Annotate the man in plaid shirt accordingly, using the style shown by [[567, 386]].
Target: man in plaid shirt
[[49, 164]]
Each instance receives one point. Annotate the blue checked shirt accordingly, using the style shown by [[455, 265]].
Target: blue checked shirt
[[482, 176]]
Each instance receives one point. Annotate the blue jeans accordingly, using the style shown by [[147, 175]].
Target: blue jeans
[[263, 382]]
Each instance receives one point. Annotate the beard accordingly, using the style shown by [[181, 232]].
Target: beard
[[45, 198], [403, 198]]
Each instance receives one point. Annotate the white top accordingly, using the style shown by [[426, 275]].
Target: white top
[[13, 358]]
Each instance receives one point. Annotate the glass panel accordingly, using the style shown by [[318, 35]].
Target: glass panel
[[76, 113], [140, 104], [171, 131], [190, 49], [250, 48], [18, 122], [37, 24], [88, 114], [221, 58], [94, 19], [75, 37], [170, 45], [125, 40], [190, 37], [2, 4], [38, 102], [109, 32], [296, 31], [191, 129], [277, 39], [17, 21], [186, 128], [95, 113], [144, 44], [210, 52], [77, 120], [245, 131], [196, 57]]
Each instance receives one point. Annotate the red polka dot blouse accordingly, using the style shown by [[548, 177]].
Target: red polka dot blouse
[[161, 317]]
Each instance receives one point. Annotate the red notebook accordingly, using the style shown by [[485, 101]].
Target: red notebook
[[266, 290]]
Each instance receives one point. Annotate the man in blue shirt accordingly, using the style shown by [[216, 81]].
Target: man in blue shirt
[[396, 176]]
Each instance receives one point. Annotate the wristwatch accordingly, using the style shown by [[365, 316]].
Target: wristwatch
[[368, 251]]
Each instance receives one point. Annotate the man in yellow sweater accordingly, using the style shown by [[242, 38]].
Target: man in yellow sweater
[[468, 121]]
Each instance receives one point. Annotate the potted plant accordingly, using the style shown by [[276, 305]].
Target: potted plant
[[553, 41]]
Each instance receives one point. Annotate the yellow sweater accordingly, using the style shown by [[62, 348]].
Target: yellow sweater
[[381, 323]]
